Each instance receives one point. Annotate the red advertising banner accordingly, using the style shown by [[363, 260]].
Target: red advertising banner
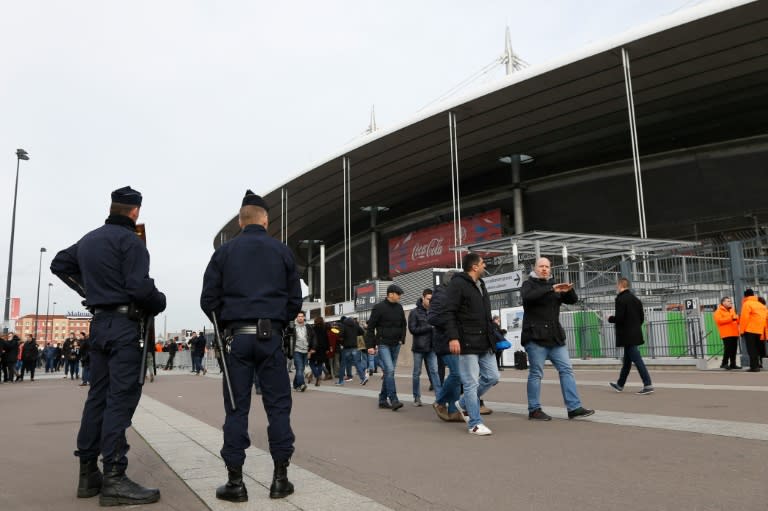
[[15, 308], [431, 247]]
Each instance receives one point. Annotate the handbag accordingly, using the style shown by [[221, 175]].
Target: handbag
[[361, 343]]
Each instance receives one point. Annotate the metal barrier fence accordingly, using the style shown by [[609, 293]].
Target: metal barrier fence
[[677, 337]]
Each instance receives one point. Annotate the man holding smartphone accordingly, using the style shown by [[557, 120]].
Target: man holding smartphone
[[544, 338]]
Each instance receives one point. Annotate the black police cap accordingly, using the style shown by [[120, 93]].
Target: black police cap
[[127, 195], [251, 199]]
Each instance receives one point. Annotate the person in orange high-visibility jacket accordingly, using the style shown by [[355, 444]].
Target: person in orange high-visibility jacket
[[728, 325], [764, 335], [752, 326]]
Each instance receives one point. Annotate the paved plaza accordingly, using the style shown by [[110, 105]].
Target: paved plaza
[[700, 442]]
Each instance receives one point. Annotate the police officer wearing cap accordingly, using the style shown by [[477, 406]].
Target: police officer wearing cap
[[252, 286], [109, 267], [386, 332]]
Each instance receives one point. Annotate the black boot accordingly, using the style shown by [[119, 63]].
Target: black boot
[[281, 486], [118, 490], [89, 484], [234, 490]]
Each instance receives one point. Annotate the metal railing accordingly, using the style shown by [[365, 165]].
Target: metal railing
[[666, 338]]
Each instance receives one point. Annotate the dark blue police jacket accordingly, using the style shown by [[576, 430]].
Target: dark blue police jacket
[[110, 266], [253, 276]]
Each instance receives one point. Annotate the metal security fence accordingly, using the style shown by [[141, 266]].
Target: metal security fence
[[589, 336]]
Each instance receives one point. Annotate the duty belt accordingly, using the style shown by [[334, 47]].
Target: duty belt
[[119, 309], [251, 330]]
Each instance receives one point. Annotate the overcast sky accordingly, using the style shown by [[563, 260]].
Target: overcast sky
[[193, 101]]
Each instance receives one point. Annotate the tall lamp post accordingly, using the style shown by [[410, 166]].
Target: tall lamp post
[[47, 311], [21, 154], [37, 305]]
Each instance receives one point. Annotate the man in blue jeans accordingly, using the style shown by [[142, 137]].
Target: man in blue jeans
[[422, 346], [544, 338], [470, 336], [629, 319], [386, 331]]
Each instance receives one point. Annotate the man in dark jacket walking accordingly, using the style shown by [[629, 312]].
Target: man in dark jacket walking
[[350, 355], [386, 332], [544, 338], [629, 319], [470, 333], [172, 349], [422, 347]]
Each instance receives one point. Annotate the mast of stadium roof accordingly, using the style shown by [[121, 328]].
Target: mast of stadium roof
[[635, 154], [346, 170], [344, 205]]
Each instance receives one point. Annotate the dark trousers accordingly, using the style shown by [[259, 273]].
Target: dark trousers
[[28, 367], [753, 350], [115, 361], [632, 356], [441, 369], [169, 364], [250, 356], [730, 344]]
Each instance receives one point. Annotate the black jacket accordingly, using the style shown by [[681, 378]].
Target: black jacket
[[319, 343], [11, 353], [29, 352], [468, 315], [251, 277], [541, 307], [629, 319], [110, 266], [420, 328], [349, 332], [386, 325]]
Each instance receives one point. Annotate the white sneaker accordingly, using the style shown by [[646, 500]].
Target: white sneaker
[[480, 430], [463, 413]]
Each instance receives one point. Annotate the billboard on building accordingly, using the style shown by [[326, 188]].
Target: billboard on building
[[15, 308], [431, 247]]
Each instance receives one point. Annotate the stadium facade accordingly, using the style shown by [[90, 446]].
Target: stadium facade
[[660, 133]]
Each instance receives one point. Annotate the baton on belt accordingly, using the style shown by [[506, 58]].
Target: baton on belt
[[144, 349], [222, 359]]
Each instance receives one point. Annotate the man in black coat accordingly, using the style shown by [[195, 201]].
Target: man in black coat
[[422, 347], [629, 319], [386, 332], [544, 338], [470, 335]]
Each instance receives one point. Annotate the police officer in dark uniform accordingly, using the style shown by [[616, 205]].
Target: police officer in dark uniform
[[252, 285], [109, 267]]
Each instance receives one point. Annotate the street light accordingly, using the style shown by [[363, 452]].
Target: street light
[[21, 154], [47, 310], [37, 306]]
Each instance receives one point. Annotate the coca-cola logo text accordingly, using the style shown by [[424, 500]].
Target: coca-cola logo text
[[432, 249]]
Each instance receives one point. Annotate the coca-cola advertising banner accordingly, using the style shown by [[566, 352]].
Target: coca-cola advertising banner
[[431, 247]]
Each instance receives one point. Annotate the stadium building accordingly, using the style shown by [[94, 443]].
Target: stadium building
[[658, 135]]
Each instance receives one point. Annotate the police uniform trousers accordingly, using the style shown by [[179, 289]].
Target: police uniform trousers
[[250, 356], [114, 392]]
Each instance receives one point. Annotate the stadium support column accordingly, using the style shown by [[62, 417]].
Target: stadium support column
[[322, 279], [517, 190], [374, 212], [739, 275]]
